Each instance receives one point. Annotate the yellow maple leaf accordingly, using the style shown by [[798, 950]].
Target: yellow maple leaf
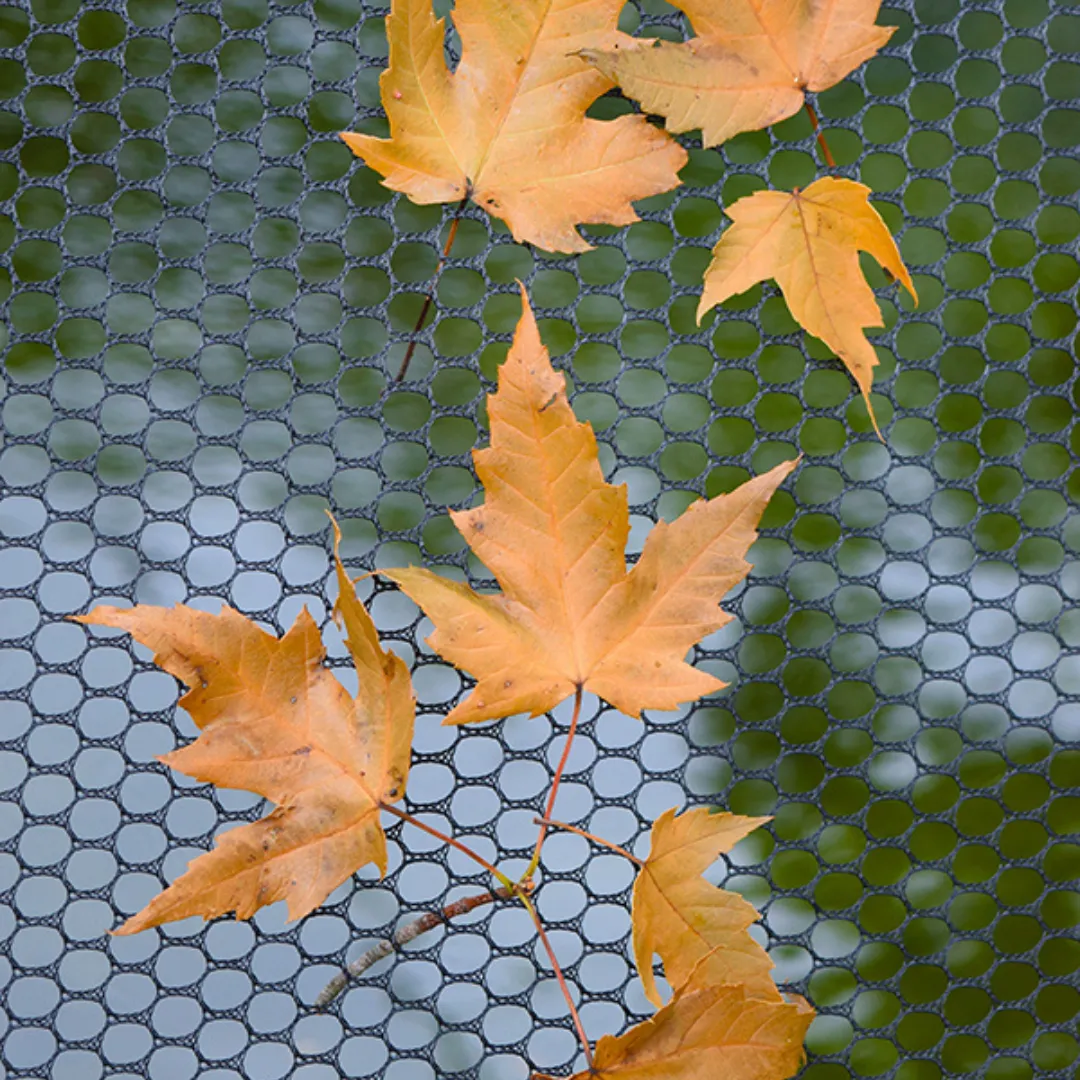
[[750, 64], [809, 241], [277, 722], [690, 922], [707, 1034], [508, 127], [554, 533]]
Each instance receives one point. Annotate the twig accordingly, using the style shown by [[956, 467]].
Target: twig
[[826, 153], [499, 876], [403, 936], [556, 780], [590, 836], [428, 300], [562, 981]]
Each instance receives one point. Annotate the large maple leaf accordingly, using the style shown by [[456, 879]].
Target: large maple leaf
[[809, 241], [508, 126], [277, 722], [706, 1034], [690, 922], [554, 533], [749, 66]]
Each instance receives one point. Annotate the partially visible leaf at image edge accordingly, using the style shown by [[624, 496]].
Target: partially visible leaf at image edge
[[508, 127], [554, 534], [277, 722], [749, 65], [709, 1033], [809, 241]]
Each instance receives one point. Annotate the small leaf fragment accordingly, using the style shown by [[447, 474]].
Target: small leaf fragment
[[716, 1033]]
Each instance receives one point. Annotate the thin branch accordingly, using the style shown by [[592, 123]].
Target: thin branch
[[556, 780], [499, 876], [562, 982], [428, 300], [826, 153], [403, 936], [590, 836]]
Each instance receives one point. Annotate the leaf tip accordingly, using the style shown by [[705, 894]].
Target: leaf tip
[[525, 305], [134, 924], [352, 140], [337, 529]]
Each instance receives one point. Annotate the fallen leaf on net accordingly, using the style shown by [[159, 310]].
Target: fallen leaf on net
[[554, 532], [508, 126], [750, 64], [276, 721], [693, 925], [809, 241], [707, 1034]]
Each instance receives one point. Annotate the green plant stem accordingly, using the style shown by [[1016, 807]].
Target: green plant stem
[[534, 862], [575, 1016], [826, 153], [429, 299], [499, 876]]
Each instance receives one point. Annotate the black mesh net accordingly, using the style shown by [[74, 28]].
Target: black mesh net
[[204, 299]]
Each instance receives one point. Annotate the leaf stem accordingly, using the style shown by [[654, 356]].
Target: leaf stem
[[562, 980], [403, 936], [534, 862], [590, 836], [499, 876], [429, 299], [826, 153]]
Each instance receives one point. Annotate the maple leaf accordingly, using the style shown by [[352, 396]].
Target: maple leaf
[[809, 241], [554, 533], [276, 721], [749, 66], [690, 922], [704, 1034], [508, 126]]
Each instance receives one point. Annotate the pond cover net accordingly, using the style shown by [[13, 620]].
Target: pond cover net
[[204, 296]]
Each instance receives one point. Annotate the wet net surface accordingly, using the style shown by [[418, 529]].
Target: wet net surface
[[204, 295]]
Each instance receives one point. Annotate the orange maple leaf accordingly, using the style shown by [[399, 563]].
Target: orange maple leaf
[[554, 533], [690, 922], [809, 241], [508, 127], [277, 722], [706, 1034], [749, 66]]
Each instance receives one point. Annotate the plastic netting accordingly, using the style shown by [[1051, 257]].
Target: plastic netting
[[204, 297]]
